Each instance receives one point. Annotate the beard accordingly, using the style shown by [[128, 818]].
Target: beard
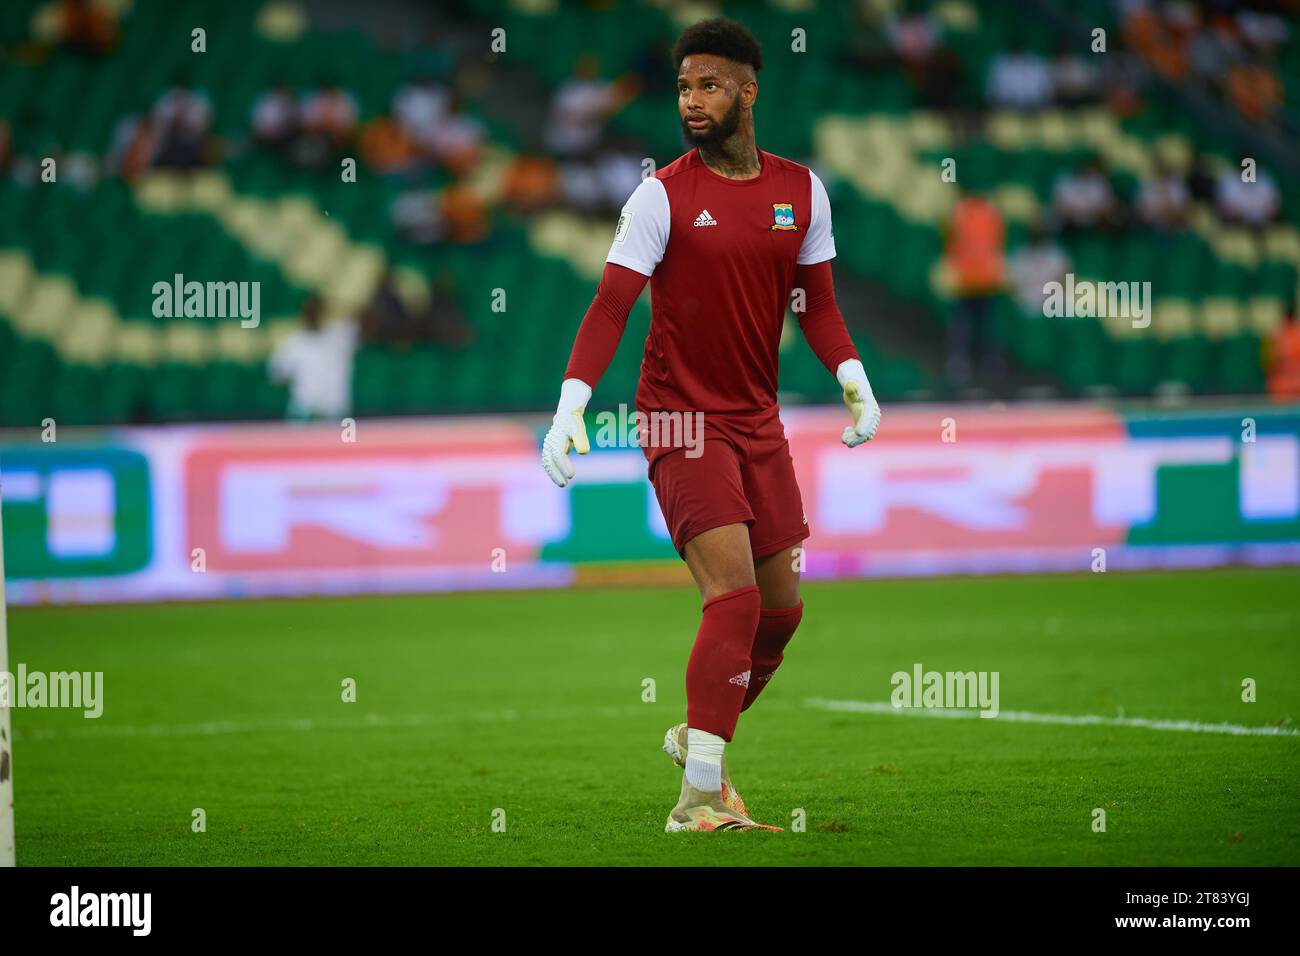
[[717, 132]]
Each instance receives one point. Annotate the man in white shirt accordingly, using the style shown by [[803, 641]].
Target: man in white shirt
[[1254, 204], [1034, 265], [1019, 79], [316, 361]]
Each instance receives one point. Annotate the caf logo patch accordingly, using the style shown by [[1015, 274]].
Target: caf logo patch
[[624, 224], [783, 216]]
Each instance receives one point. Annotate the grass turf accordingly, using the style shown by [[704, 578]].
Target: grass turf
[[532, 703]]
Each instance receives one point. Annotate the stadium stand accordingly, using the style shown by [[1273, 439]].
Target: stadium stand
[[77, 333]]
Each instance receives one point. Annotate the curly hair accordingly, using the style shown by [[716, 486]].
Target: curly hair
[[719, 37]]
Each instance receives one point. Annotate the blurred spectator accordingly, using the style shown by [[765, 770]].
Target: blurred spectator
[[77, 168], [1075, 80], [942, 80], [1019, 79], [386, 147], [1163, 201], [975, 259], [417, 217], [464, 213], [1283, 358], [1256, 90], [457, 140], [454, 214], [602, 185], [329, 122], [275, 117], [134, 146], [914, 36], [419, 108], [1214, 49], [867, 46], [1033, 265], [1201, 181], [1247, 204], [1159, 43], [386, 317], [1265, 32], [443, 322], [581, 108], [531, 183], [86, 27], [619, 172], [581, 187], [1122, 83], [933, 69], [1228, 48], [1084, 199], [316, 362], [183, 122]]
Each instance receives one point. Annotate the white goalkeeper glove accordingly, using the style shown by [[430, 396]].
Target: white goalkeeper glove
[[567, 431], [861, 403]]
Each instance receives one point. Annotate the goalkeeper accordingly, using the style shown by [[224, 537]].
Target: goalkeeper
[[724, 235]]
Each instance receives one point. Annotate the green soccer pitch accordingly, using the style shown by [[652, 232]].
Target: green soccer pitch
[[526, 709]]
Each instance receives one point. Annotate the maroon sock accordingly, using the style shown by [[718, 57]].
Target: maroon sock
[[718, 671], [776, 625]]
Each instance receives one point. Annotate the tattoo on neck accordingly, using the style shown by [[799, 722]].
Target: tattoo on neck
[[734, 162]]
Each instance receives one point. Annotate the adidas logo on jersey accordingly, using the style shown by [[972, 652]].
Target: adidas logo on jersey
[[741, 679], [704, 219]]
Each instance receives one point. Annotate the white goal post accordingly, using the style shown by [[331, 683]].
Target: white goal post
[[6, 733]]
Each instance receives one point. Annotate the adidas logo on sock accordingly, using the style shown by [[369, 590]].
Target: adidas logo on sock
[[741, 679], [704, 219]]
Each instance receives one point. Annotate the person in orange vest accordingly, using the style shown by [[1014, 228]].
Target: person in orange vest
[[1283, 360], [975, 254]]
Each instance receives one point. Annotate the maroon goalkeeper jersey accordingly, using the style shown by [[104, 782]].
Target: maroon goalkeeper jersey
[[721, 255]]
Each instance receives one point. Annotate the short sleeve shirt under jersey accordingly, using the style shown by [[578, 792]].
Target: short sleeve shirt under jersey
[[721, 255]]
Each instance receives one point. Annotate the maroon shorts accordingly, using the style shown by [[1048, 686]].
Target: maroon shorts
[[739, 471]]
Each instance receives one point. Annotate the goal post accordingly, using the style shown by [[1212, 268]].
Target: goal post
[[6, 731]]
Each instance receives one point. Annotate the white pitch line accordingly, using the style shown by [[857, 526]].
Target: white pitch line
[[1072, 720], [94, 729]]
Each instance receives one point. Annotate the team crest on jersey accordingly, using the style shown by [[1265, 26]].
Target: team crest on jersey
[[783, 216]]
